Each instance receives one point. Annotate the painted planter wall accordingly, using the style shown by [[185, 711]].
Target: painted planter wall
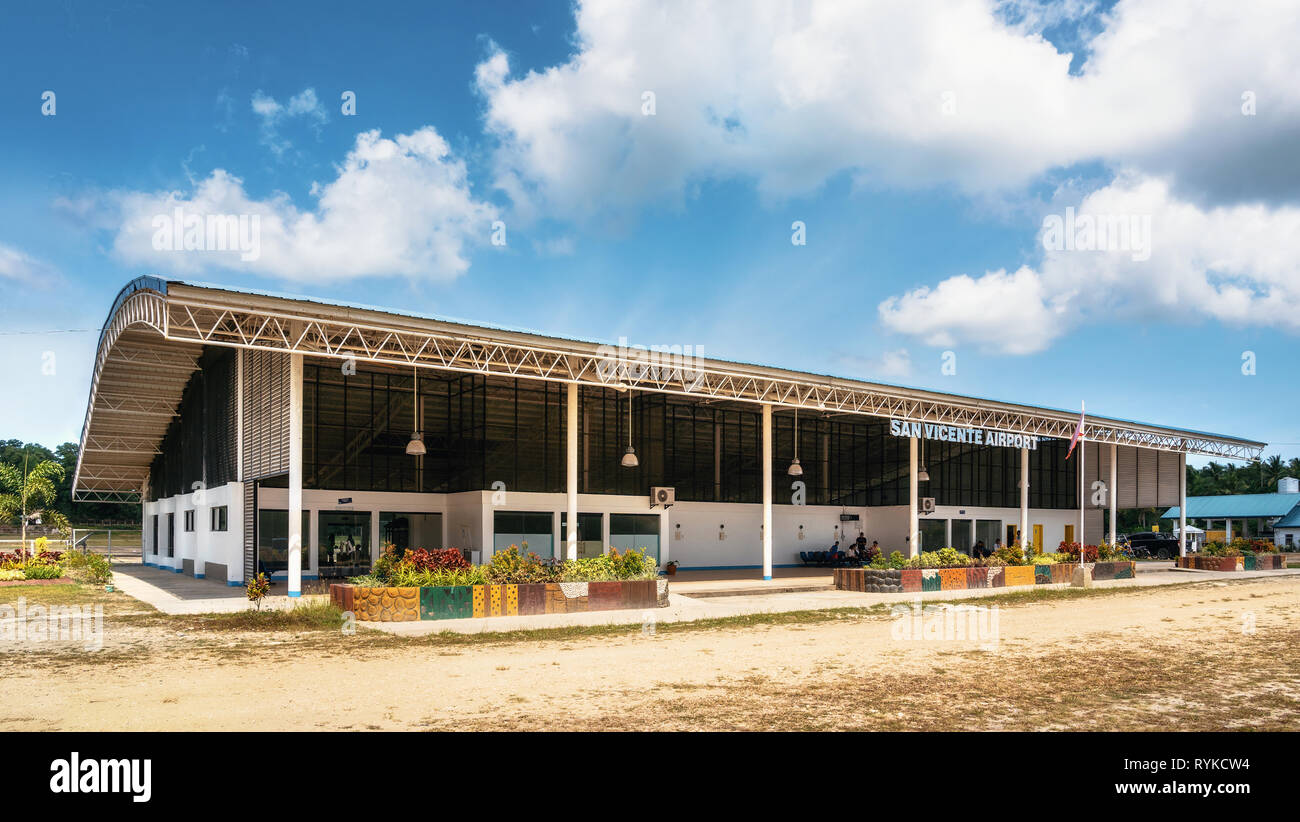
[[1249, 562], [910, 580], [394, 604]]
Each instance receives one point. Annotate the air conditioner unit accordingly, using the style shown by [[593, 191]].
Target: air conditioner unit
[[927, 505], [662, 495]]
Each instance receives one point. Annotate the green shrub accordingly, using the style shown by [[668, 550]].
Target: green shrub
[[1010, 554], [34, 570], [951, 557], [88, 567]]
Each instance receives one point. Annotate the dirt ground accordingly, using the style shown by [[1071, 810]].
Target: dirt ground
[[1204, 656]]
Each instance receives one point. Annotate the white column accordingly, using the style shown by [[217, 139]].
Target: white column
[[1024, 501], [1114, 491], [571, 403], [295, 475], [1182, 504], [1227, 526], [913, 526], [767, 491]]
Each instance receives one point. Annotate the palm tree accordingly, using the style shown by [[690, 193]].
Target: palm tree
[[23, 494]]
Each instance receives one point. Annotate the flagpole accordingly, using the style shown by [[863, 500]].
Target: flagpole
[[1083, 452]]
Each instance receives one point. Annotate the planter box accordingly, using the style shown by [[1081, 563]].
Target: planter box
[[391, 604], [869, 580], [1249, 562], [1114, 570], [1019, 575]]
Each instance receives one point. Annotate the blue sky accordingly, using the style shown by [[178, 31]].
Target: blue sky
[[922, 171]]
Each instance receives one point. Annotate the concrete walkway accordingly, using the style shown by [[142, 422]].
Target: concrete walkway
[[688, 600], [174, 593]]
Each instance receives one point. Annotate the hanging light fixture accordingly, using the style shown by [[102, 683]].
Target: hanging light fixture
[[416, 446], [795, 469], [923, 475], [629, 458]]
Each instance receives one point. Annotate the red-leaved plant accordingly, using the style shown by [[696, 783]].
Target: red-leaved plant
[[439, 559]]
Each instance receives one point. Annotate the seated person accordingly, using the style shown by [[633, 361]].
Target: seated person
[[979, 551], [873, 551], [835, 553]]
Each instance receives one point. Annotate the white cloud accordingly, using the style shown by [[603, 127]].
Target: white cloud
[[19, 268], [790, 94], [1233, 263], [400, 206], [272, 114]]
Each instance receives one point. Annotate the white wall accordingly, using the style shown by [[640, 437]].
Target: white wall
[[201, 545], [689, 531]]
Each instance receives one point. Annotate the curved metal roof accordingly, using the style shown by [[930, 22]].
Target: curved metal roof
[[157, 328]]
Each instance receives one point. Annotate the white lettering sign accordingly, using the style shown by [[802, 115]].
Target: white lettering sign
[[966, 436]]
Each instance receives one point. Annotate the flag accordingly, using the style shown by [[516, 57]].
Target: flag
[[1078, 435]]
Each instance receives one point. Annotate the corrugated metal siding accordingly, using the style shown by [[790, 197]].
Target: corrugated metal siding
[[1103, 471], [1167, 484], [266, 414], [1093, 526], [1147, 465], [1127, 477]]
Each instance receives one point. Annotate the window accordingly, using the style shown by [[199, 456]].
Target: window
[[171, 535], [934, 533], [153, 543], [407, 531], [189, 521], [639, 531], [1289, 538], [219, 518], [962, 535], [273, 540], [530, 532]]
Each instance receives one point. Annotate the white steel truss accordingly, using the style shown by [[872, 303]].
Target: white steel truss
[[190, 315]]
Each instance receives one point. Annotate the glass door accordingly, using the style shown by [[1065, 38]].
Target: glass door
[[343, 543], [590, 540]]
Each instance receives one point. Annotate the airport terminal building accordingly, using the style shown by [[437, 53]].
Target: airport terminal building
[[299, 436]]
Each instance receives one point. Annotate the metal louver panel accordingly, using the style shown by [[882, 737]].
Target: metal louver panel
[[250, 530], [1167, 484], [1147, 462], [266, 414], [1093, 526], [1127, 477], [1103, 471]]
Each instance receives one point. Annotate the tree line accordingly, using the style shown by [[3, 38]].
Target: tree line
[[20, 458]]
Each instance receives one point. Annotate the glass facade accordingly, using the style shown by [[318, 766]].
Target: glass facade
[[481, 432], [408, 531], [273, 539]]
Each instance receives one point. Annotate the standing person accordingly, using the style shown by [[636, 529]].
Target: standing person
[[861, 542]]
